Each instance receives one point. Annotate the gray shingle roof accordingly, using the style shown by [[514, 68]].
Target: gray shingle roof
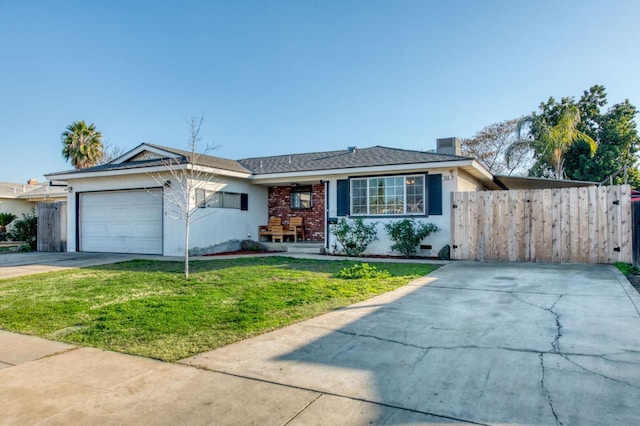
[[206, 160], [19, 190], [344, 159], [314, 161], [201, 160]]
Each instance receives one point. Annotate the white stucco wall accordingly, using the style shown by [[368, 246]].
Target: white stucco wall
[[453, 181], [206, 229], [17, 207]]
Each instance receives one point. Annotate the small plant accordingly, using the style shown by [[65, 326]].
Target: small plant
[[362, 270], [354, 235], [25, 229], [626, 268], [5, 219], [406, 235]]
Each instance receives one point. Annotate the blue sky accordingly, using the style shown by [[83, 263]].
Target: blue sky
[[280, 77]]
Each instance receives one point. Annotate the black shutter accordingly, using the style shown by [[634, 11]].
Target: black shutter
[[434, 193], [244, 201], [343, 197]]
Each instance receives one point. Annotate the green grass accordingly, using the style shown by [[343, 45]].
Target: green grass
[[147, 308], [626, 268]]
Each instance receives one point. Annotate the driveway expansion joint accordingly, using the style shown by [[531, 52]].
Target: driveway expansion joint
[[321, 393], [302, 409]]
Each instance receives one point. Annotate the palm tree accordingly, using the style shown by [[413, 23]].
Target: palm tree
[[552, 142], [82, 145]]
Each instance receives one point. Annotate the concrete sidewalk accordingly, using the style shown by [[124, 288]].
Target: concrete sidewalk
[[473, 343]]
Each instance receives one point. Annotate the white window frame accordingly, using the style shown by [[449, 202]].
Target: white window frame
[[404, 212]]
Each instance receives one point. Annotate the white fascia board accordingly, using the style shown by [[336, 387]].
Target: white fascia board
[[323, 174], [107, 173], [141, 148], [151, 170], [221, 172]]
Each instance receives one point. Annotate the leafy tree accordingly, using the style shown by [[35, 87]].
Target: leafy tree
[[489, 145], [551, 136], [613, 130], [82, 145]]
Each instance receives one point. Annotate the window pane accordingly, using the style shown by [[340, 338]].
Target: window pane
[[215, 200], [301, 200], [415, 194], [394, 195], [359, 196], [201, 196], [230, 200]]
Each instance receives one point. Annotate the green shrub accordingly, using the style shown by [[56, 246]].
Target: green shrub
[[362, 270], [406, 235], [354, 235], [6, 219], [626, 268], [25, 229]]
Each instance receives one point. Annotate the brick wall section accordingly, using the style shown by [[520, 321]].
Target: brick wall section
[[314, 218]]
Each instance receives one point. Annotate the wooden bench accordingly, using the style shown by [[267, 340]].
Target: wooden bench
[[276, 231], [296, 227], [267, 230]]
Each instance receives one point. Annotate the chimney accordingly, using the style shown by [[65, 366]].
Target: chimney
[[449, 146], [32, 182]]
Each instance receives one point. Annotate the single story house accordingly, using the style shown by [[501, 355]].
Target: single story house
[[19, 199], [134, 203]]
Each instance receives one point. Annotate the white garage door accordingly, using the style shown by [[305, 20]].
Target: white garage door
[[121, 222]]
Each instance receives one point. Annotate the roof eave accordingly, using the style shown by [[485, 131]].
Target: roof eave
[[268, 178]]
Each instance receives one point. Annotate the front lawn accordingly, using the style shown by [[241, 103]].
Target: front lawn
[[147, 308]]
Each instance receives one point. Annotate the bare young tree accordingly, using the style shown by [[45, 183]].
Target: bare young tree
[[490, 144], [184, 176], [110, 152]]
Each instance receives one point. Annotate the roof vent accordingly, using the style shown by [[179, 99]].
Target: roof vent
[[448, 146], [352, 149]]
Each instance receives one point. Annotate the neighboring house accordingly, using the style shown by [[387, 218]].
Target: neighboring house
[[124, 205], [21, 199]]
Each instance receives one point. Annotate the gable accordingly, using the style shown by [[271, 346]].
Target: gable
[[145, 156]]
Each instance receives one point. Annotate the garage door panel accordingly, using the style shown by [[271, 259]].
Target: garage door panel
[[121, 222]]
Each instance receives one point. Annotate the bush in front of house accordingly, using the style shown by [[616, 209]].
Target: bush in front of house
[[362, 270], [354, 235], [5, 220], [25, 229], [406, 234]]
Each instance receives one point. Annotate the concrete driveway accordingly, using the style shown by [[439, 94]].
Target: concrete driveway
[[486, 343], [473, 343], [19, 264]]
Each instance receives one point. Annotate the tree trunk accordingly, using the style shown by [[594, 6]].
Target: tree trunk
[[186, 248]]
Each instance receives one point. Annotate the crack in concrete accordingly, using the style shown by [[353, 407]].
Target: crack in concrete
[[556, 340], [546, 391], [502, 348]]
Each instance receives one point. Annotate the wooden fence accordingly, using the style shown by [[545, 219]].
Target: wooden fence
[[52, 226], [582, 225], [635, 215]]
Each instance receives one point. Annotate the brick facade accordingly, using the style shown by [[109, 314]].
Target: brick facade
[[314, 218]]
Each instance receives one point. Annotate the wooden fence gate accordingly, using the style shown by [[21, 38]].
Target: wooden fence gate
[[52, 226], [582, 225]]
